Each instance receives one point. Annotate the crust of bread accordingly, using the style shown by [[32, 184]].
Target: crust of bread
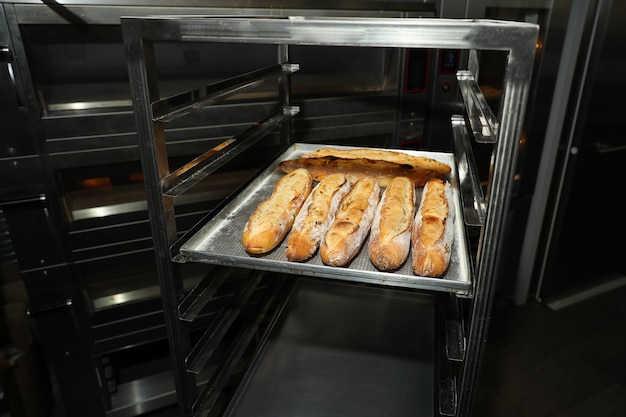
[[390, 236], [273, 218], [384, 165], [315, 217], [352, 222], [432, 234], [402, 158]]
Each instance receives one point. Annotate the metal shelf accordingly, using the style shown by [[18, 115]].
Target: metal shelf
[[472, 197], [181, 104], [487, 212], [482, 120], [181, 180]]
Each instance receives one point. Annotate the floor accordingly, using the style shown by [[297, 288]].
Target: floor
[[541, 362], [565, 363]]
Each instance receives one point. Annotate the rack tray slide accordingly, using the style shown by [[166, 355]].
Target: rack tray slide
[[219, 241]]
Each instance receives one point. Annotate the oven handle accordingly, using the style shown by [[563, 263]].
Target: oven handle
[[6, 57], [603, 148], [56, 306]]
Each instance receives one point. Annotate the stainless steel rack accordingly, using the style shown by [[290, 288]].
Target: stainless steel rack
[[465, 313]]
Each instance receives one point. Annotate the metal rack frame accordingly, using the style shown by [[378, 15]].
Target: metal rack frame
[[488, 212]]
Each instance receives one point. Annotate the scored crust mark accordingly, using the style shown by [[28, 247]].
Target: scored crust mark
[[390, 238], [315, 217], [384, 165], [432, 233], [398, 208], [352, 222], [273, 218]]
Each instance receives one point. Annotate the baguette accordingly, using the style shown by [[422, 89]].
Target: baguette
[[390, 237], [273, 218], [432, 234], [352, 222], [315, 217], [384, 165]]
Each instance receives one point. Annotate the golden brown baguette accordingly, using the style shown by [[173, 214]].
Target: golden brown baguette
[[390, 236], [381, 155], [432, 235], [384, 165], [351, 224], [273, 218], [315, 217]]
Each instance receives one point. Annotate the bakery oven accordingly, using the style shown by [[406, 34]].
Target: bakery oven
[[72, 188]]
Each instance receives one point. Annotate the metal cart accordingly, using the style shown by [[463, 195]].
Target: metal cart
[[450, 314]]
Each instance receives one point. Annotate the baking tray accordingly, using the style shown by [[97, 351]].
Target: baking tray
[[344, 350], [219, 241]]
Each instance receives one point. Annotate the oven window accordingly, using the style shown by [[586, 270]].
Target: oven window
[[82, 68]]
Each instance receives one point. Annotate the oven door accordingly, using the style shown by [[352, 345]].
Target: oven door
[[67, 90]]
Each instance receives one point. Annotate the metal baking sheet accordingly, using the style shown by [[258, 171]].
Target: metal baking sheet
[[344, 350], [219, 241]]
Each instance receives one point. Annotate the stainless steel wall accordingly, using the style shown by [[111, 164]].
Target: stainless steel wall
[[580, 246]]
